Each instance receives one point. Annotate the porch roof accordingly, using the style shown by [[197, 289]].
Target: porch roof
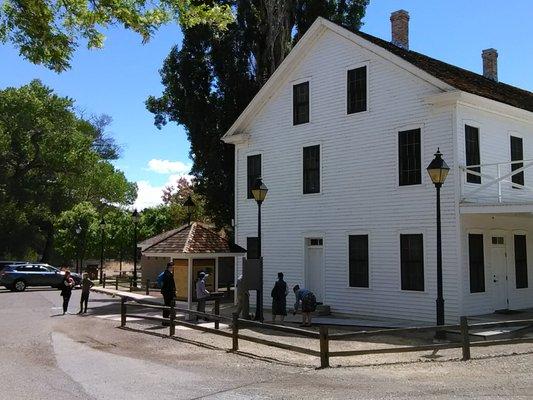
[[196, 238]]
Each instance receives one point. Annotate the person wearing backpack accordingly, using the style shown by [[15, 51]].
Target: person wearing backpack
[[168, 289]]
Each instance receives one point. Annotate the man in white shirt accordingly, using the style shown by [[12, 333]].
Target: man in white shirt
[[201, 292]]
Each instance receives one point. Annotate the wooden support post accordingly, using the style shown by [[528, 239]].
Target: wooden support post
[[131, 284], [148, 287], [324, 347], [235, 332], [217, 312], [465, 338], [122, 312], [116, 282], [103, 282], [172, 329]]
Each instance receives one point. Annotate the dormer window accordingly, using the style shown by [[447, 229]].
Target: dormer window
[[300, 103], [356, 90]]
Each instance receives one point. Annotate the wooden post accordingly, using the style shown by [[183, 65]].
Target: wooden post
[[172, 329], [217, 312], [465, 339], [116, 282], [235, 332], [123, 312], [103, 282], [148, 287], [131, 284], [324, 347]]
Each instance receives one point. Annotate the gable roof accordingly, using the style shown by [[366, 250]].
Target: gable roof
[[195, 238], [443, 75]]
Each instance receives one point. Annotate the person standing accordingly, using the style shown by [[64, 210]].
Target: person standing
[[243, 299], [279, 298], [168, 288], [201, 292], [66, 290], [308, 300], [86, 285]]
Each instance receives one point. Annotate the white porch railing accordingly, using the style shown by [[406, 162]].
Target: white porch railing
[[496, 183]]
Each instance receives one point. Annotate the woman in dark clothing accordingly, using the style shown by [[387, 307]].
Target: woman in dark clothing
[[279, 298], [66, 290]]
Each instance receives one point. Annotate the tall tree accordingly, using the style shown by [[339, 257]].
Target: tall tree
[[209, 80], [49, 162], [48, 32]]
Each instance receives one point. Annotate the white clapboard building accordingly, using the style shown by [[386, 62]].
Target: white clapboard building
[[341, 135]]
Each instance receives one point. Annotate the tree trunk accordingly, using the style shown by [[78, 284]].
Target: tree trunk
[[49, 243]]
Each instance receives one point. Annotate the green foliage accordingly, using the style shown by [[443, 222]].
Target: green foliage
[[48, 164], [213, 76], [48, 32]]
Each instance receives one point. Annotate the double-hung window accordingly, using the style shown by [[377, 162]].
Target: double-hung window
[[300, 103], [476, 261], [358, 260], [253, 172], [356, 90], [311, 169], [412, 261], [409, 157], [520, 259], [472, 153], [517, 154]]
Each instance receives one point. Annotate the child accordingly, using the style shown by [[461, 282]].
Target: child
[[86, 285]]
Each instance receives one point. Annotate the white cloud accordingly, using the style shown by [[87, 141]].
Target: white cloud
[[149, 195], [169, 167]]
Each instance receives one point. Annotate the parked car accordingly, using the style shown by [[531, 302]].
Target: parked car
[[18, 277]]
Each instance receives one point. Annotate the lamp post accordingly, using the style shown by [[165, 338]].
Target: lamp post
[[78, 261], [438, 171], [189, 208], [102, 228], [259, 191], [135, 218]]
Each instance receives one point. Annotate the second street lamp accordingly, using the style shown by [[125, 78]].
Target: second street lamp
[[102, 228], [135, 218], [259, 191], [438, 171], [189, 208]]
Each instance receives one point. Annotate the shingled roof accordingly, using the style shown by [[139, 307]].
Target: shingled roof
[[459, 78], [196, 238]]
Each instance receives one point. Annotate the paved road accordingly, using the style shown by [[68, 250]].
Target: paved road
[[45, 355]]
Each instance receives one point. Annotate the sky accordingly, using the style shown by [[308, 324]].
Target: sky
[[117, 79]]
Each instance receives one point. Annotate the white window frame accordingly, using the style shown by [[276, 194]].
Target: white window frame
[[347, 68], [347, 252], [423, 179], [474, 124], [252, 153], [425, 259], [486, 256], [291, 95], [320, 171]]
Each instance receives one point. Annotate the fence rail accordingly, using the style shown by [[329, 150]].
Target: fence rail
[[323, 336], [128, 281]]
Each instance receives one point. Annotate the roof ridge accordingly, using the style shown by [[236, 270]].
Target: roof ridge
[[189, 237]]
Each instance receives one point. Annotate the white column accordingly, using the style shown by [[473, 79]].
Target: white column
[[189, 283]]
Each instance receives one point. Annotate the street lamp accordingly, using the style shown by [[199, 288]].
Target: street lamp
[[135, 218], [78, 261], [259, 191], [189, 207], [438, 171], [102, 228]]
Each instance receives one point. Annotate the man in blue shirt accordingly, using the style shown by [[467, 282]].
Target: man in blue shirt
[[308, 300]]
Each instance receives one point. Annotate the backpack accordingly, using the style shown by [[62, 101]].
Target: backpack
[[160, 279]]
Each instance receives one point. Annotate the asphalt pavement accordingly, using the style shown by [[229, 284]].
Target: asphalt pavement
[[45, 355]]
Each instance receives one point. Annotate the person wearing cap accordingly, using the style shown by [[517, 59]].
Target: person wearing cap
[[201, 292], [308, 301], [168, 289], [279, 298]]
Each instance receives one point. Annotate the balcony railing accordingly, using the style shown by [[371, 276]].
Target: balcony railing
[[497, 186]]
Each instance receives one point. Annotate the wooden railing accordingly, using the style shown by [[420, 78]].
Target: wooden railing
[[324, 337], [126, 282], [496, 180]]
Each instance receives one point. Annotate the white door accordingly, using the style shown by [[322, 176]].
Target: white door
[[314, 267], [499, 277]]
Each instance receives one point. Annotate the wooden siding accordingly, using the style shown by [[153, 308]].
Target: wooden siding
[[359, 183]]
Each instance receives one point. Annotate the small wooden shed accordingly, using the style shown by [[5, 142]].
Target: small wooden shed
[[193, 248]]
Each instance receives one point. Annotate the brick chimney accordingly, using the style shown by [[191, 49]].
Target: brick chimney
[[490, 64], [400, 28]]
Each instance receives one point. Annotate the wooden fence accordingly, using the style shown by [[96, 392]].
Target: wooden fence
[[323, 336], [126, 282]]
